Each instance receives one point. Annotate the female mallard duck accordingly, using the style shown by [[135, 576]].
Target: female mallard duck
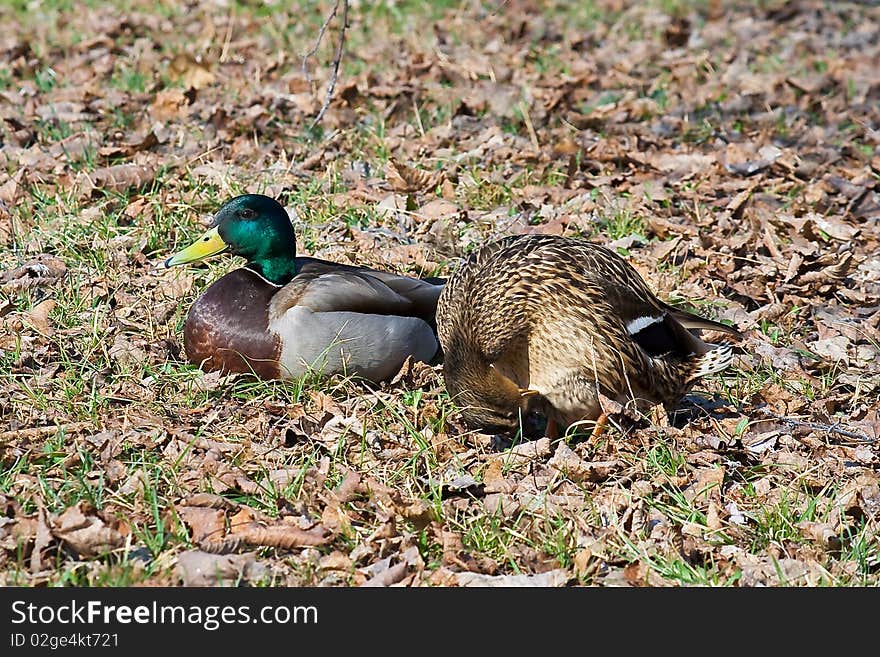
[[281, 316], [545, 323]]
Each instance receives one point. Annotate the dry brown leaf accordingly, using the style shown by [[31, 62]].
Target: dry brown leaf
[[576, 469], [117, 178], [281, 535], [85, 533], [198, 568], [707, 486], [42, 540], [388, 576], [193, 72], [209, 501], [336, 560], [127, 354], [822, 533], [409, 180], [335, 518], [42, 270], [585, 562], [14, 188], [349, 489], [205, 524], [384, 573], [145, 143], [419, 512], [551, 578], [494, 480], [38, 317], [834, 349], [169, 104], [713, 516], [528, 451], [10, 193], [439, 208]]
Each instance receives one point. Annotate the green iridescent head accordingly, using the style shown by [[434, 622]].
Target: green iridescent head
[[252, 226]]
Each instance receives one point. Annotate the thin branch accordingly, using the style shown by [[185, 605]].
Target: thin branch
[[227, 39], [314, 50], [337, 59], [524, 109], [818, 426]]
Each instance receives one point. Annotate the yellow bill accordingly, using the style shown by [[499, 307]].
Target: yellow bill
[[207, 245]]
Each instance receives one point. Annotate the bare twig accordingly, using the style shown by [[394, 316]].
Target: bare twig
[[314, 50], [524, 109], [337, 58], [227, 39], [819, 426]]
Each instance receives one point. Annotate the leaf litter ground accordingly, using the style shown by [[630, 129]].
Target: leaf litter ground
[[730, 151]]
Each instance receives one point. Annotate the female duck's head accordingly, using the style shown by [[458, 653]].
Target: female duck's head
[[252, 226]]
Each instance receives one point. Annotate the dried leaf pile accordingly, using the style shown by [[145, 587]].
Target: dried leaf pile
[[731, 151]]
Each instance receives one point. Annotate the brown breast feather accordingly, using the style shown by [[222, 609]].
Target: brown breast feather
[[227, 327]]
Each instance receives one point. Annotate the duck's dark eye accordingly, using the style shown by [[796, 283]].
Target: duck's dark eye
[[247, 213]]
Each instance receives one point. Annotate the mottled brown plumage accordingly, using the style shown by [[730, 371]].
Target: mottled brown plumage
[[545, 323]]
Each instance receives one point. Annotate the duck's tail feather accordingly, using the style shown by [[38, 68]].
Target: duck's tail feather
[[711, 362]]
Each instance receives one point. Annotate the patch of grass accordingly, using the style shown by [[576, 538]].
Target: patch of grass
[[622, 223], [128, 78], [481, 193]]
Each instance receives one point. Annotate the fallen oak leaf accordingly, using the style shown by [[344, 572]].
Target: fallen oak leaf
[[420, 513], [335, 518], [568, 463], [193, 72], [494, 480], [45, 269], [13, 189], [822, 533], [168, 104], [382, 573], [831, 270], [336, 560], [245, 526], [38, 432], [526, 452], [85, 533], [128, 149], [349, 489], [833, 349], [205, 524], [42, 540], [389, 576], [834, 227], [125, 353], [455, 554], [116, 178], [284, 536], [200, 568], [557, 577], [209, 500], [38, 317], [408, 180]]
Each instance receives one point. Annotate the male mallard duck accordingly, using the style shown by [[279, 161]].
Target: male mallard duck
[[545, 323], [280, 316]]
